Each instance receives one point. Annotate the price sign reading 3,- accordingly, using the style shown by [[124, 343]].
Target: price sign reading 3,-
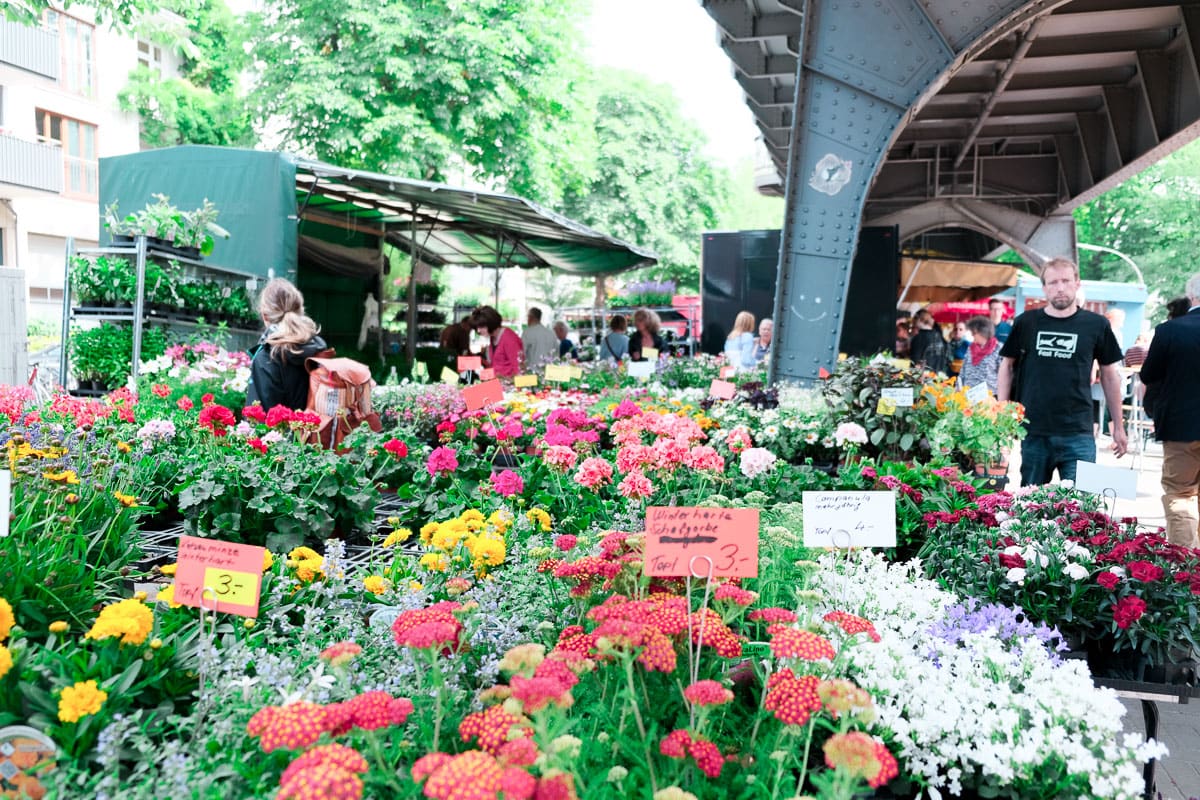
[[239, 588], [681, 541]]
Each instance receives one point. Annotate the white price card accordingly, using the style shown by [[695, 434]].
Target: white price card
[[977, 393], [641, 369], [849, 519], [901, 396], [1090, 477], [5, 500]]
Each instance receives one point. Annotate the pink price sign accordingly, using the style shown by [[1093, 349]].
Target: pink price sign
[[683, 541], [220, 576]]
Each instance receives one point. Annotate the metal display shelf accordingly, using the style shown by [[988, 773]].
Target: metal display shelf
[[1150, 695], [140, 251]]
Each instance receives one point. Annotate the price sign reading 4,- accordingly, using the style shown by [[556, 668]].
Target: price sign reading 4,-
[[676, 536], [220, 576]]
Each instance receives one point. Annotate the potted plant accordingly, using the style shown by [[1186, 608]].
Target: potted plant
[[167, 227], [982, 431]]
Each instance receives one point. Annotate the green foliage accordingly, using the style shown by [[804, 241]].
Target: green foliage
[[1154, 219], [653, 185], [105, 353], [413, 88], [118, 13], [747, 209]]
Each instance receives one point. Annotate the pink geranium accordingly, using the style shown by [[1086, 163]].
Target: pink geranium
[[669, 453], [633, 456], [738, 440], [704, 458], [507, 483], [442, 461], [593, 473], [560, 458], [636, 486]]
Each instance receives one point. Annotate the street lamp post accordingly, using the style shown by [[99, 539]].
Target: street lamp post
[[1102, 249]]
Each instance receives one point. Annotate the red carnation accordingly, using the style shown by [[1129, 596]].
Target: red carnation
[[1145, 571], [1128, 610], [1012, 560], [1108, 579], [254, 412]]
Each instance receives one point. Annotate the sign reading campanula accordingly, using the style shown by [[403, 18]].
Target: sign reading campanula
[[683, 541]]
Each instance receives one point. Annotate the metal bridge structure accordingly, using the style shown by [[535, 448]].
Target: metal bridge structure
[[986, 121]]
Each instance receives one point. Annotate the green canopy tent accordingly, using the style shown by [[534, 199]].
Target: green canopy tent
[[325, 226]]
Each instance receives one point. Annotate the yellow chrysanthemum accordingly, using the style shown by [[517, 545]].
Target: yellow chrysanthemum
[[304, 554], [447, 538], [6, 661], [487, 550], [268, 560], [67, 476], [308, 570], [168, 569], [80, 700], [375, 584], [435, 562], [397, 536], [7, 619], [167, 595], [126, 500], [131, 620], [415, 586], [123, 447], [59, 626], [428, 530]]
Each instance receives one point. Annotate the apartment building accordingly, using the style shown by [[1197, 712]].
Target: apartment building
[[59, 82]]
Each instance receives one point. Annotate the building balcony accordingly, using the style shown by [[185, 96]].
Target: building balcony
[[31, 164], [29, 47]]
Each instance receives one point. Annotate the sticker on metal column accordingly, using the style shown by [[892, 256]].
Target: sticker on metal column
[[830, 175], [26, 755]]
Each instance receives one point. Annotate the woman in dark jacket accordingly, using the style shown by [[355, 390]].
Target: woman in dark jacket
[[647, 335], [278, 376]]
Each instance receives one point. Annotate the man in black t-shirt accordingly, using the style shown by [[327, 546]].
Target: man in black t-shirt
[[1051, 351]]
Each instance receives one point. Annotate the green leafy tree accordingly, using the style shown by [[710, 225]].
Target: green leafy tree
[[653, 185], [425, 88], [747, 209], [119, 13], [204, 106], [1154, 219]]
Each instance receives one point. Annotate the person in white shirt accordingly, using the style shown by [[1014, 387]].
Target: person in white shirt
[[539, 342]]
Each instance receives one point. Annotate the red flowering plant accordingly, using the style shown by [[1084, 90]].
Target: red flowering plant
[[1109, 586]]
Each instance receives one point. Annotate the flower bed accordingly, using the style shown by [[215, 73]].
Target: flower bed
[[496, 636]]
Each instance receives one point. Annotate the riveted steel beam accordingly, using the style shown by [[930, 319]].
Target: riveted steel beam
[[752, 60], [864, 70], [736, 19]]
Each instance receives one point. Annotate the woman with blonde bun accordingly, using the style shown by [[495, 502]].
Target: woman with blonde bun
[[277, 373]]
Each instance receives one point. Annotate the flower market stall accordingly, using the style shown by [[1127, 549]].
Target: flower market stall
[[474, 602]]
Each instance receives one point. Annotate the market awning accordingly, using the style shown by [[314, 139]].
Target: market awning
[[444, 225], [929, 280]]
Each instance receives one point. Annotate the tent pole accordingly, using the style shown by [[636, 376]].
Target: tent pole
[[410, 345], [907, 286]]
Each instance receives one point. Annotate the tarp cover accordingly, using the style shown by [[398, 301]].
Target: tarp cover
[[264, 197], [254, 193], [928, 280]]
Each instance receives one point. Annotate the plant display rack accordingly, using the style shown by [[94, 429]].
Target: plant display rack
[[140, 251], [590, 324]]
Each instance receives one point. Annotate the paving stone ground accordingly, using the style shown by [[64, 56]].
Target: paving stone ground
[[1178, 775]]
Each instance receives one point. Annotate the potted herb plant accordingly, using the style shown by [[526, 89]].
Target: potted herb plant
[[167, 227]]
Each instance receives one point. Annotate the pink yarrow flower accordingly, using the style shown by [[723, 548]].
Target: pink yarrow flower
[[707, 693]]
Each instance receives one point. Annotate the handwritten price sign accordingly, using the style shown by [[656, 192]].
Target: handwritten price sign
[[220, 575], [680, 541], [849, 519]]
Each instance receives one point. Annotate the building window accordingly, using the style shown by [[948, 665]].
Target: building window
[[78, 142], [150, 56], [77, 44]]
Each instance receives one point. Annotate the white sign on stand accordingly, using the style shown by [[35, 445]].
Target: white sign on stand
[[641, 369], [977, 393], [901, 396], [5, 500], [1090, 477], [849, 519]]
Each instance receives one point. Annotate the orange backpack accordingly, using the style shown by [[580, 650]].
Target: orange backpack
[[339, 391]]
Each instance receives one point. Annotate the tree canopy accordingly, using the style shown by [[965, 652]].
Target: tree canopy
[[428, 88], [653, 184]]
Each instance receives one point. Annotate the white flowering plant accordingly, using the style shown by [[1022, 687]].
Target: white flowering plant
[[973, 699]]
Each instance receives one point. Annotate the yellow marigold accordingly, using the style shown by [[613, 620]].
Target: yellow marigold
[[487, 550], [375, 584], [59, 626], [435, 562], [501, 520], [428, 530], [447, 538], [80, 700], [308, 570], [167, 595], [131, 620], [304, 554], [471, 514], [66, 476], [268, 560], [169, 569], [540, 518], [7, 619], [415, 586], [397, 536], [6, 661], [123, 447]]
